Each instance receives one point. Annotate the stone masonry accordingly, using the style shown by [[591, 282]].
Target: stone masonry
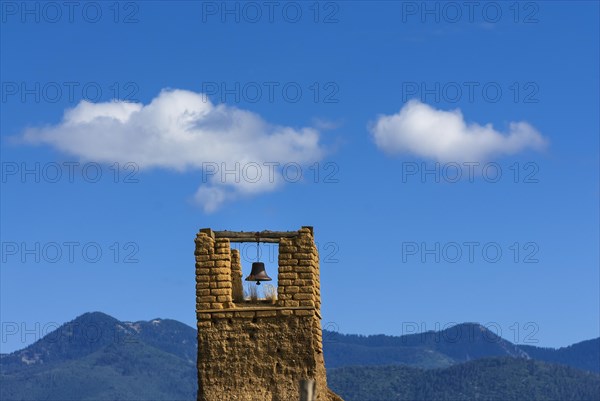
[[258, 351]]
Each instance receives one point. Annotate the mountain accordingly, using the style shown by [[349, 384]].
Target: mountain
[[490, 379], [584, 355], [97, 357], [460, 343]]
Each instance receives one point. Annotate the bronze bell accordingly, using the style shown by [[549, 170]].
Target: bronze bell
[[258, 273]]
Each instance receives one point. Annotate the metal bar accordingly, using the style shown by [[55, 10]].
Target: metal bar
[[255, 308], [250, 236]]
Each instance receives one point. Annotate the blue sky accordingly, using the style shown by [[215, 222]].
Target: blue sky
[[371, 111]]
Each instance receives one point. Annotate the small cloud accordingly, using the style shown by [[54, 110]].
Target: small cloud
[[444, 136], [326, 125], [183, 131]]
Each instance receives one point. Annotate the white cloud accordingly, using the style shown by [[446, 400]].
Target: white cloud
[[444, 136], [182, 130]]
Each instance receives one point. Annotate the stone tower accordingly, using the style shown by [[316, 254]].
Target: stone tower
[[258, 351]]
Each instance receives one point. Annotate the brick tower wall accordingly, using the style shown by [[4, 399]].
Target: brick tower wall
[[254, 351]]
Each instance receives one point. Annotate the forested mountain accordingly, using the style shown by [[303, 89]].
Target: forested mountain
[[97, 357]]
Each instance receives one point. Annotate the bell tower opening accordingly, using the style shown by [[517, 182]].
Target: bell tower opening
[[259, 272]]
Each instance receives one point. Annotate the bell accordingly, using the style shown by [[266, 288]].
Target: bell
[[258, 273]]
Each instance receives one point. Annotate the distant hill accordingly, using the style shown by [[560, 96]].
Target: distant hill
[[584, 355], [490, 379], [97, 357], [461, 343]]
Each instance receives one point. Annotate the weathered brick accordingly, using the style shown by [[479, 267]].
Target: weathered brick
[[303, 255], [270, 313], [246, 315], [287, 248]]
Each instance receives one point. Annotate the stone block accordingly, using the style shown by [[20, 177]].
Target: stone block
[[270, 313], [245, 315], [287, 248], [292, 289], [303, 256], [220, 271]]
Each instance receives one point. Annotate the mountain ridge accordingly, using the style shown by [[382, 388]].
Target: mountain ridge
[[97, 357]]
